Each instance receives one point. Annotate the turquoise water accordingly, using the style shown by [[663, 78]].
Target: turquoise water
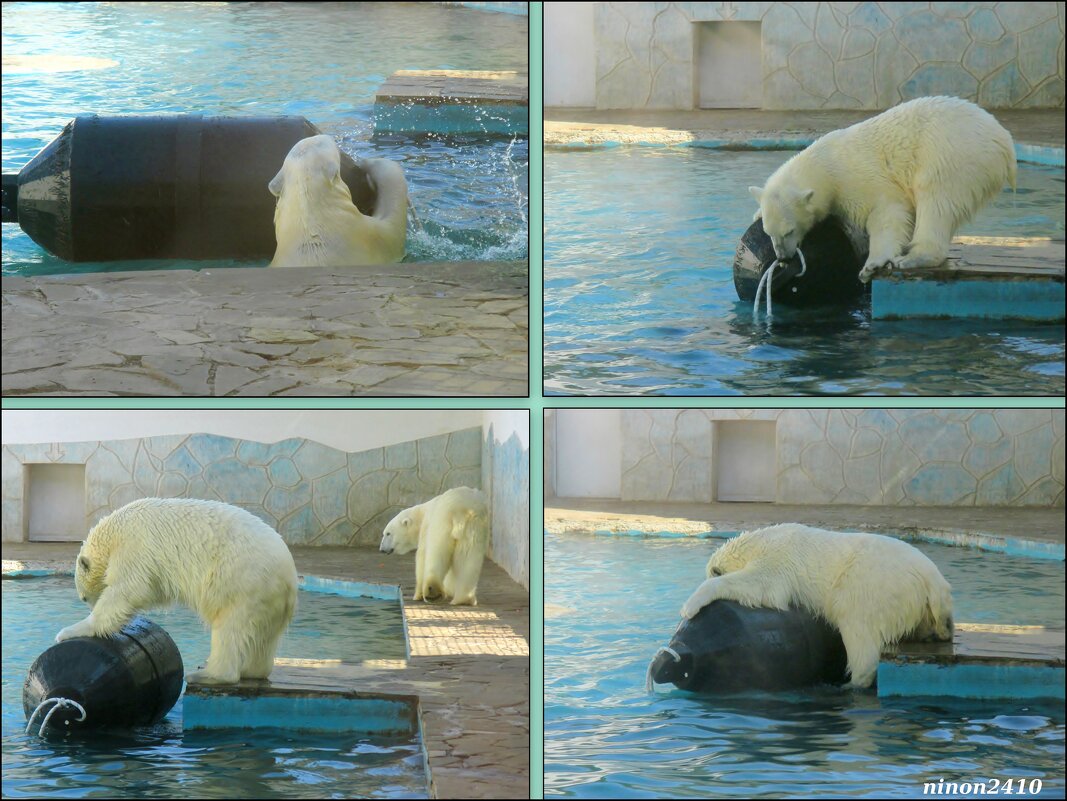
[[639, 294], [606, 738], [320, 60], [165, 762]]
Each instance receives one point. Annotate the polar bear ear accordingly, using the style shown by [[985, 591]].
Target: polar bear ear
[[756, 192], [275, 185], [806, 195], [84, 562]]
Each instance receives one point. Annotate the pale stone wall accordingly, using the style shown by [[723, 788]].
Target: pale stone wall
[[506, 482], [921, 457], [840, 55], [310, 493]]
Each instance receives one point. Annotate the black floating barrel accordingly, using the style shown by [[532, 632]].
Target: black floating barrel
[[832, 277], [131, 679], [728, 647], [161, 187]]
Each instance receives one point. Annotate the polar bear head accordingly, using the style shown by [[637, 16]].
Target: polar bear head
[[734, 554], [89, 575], [312, 163], [402, 533], [788, 214]]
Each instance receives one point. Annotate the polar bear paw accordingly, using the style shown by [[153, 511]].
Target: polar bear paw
[[206, 677], [873, 268], [83, 628]]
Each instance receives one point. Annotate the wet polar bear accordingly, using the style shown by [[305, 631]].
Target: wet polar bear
[[316, 223], [451, 533], [909, 178], [222, 562], [876, 590]]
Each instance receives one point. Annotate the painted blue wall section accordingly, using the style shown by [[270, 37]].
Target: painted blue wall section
[[969, 681], [987, 300], [452, 119], [303, 712]]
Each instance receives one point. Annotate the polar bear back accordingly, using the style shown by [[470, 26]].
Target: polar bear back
[[919, 146], [200, 553], [836, 574]]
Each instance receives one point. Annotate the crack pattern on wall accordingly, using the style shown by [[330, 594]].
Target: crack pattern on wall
[[310, 493], [908, 457], [840, 55]]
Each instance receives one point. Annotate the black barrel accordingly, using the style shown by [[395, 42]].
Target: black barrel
[[728, 647], [832, 277], [131, 679], [180, 186]]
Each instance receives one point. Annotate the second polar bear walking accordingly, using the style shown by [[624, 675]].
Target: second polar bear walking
[[876, 590], [222, 562], [451, 533], [909, 177]]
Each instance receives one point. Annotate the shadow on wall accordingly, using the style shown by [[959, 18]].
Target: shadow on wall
[[310, 493]]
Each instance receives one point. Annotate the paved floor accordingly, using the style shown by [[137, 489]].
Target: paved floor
[[588, 126], [470, 666], [442, 328], [570, 514]]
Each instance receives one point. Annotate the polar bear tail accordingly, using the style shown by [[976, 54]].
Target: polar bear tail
[[469, 530]]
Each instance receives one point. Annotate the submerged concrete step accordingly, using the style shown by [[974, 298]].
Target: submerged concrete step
[[993, 278]]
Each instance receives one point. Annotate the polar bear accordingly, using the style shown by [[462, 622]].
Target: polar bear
[[451, 533], [222, 562], [909, 178], [876, 590], [316, 223]]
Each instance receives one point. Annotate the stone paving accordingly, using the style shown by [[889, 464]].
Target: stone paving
[[469, 666], [564, 126], [424, 329]]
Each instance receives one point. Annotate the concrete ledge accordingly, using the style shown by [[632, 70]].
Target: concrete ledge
[[983, 662], [453, 102], [990, 278], [435, 328], [252, 705], [1041, 129]]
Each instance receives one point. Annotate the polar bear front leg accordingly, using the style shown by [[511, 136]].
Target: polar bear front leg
[[889, 229], [229, 637], [749, 586], [111, 612], [420, 571], [863, 651]]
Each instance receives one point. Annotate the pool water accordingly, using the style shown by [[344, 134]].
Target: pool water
[[615, 601], [639, 293], [163, 761], [320, 60]]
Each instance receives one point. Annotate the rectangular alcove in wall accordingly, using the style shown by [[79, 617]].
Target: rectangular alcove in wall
[[744, 460], [55, 502], [729, 68]]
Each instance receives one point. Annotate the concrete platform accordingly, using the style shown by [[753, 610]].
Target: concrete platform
[[566, 127], [469, 666], [429, 329], [1038, 524], [983, 662], [453, 102], [992, 278]]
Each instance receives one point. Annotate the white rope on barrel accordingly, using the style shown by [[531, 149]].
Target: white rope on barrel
[[59, 703], [649, 684], [768, 278]]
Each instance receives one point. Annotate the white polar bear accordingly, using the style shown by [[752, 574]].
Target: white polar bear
[[222, 562], [316, 223], [876, 590], [909, 177], [451, 533]]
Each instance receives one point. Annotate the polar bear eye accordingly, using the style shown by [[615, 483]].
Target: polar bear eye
[[716, 572], [790, 232]]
